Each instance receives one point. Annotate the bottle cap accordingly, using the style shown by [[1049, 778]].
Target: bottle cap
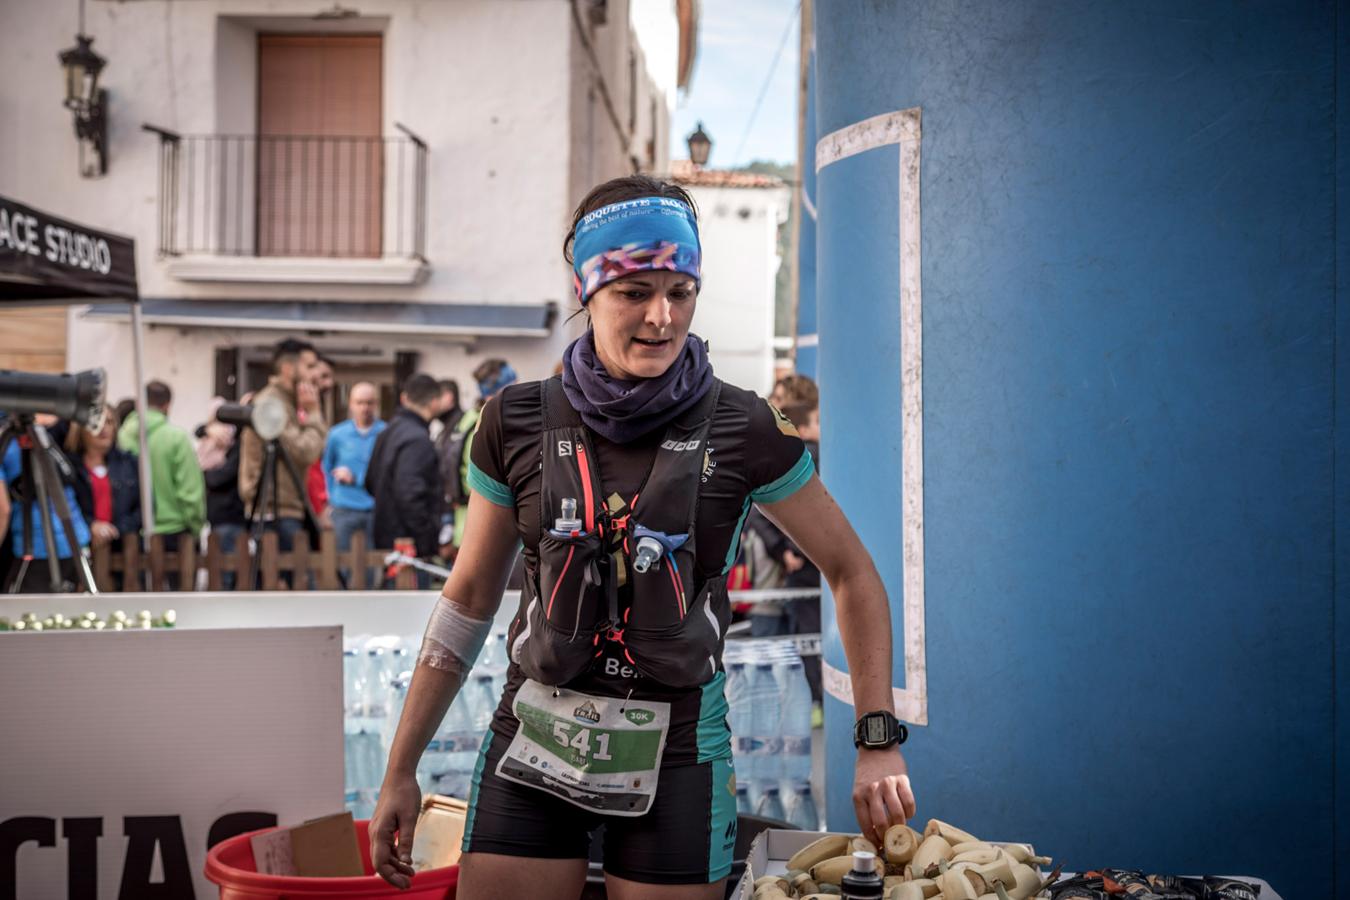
[[864, 861]]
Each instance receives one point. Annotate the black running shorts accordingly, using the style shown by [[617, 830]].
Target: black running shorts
[[687, 837]]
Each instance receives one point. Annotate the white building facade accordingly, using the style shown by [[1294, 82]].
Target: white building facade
[[391, 182], [739, 217]]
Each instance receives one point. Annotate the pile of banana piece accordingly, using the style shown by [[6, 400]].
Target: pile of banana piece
[[942, 863]]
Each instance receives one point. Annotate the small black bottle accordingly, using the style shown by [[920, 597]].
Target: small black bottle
[[864, 882]]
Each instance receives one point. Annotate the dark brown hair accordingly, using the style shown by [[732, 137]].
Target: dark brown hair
[[617, 190], [799, 414], [799, 389], [158, 395]]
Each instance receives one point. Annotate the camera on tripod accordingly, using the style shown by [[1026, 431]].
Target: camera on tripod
[[45, 470], [78, 397], [268, 418]]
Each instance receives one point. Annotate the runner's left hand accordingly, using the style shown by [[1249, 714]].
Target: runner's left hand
[[882, 795]]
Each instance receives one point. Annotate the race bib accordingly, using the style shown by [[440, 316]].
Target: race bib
[[599, 753]]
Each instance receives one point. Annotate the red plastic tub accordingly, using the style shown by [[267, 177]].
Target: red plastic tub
[[230, 864]]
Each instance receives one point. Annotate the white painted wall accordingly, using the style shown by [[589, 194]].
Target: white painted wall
[[739, 230], [493, 86]]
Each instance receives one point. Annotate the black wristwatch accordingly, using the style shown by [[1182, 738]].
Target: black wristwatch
[[879, 730]]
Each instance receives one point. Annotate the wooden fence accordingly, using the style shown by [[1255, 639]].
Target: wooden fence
[[323, 568]]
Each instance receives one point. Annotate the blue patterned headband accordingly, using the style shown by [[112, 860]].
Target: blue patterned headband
[[634, 236]]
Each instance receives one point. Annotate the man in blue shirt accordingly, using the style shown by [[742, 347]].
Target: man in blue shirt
[[36, 579], [345, 458]]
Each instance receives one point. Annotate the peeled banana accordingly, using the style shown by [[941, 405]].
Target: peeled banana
[[979, 857], [955, 885], [1027, 881], [999, 871], [1025, 853], [862, 843], [928, 886], [827, 847], [901, 843], [906, 890], [933, 848], [950, 833], [832, 871]]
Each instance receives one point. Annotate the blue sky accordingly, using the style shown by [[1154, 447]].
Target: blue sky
[[737, 40]]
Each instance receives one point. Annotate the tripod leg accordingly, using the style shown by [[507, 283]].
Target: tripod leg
[[48, 530], [311, 519], [256, 524], [78, 553]]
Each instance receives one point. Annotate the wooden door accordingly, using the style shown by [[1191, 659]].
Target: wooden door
[[320, 154]]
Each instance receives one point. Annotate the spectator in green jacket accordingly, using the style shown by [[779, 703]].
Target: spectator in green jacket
[[175, 475]]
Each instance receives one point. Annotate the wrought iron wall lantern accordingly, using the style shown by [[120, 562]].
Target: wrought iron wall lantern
[[88, 102], [700, 146]]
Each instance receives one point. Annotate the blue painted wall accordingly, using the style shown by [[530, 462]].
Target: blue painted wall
[[806, 248], [1341, 614], [1135, 418]]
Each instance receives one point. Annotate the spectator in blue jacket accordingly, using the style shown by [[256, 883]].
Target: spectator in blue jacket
[[346, 457], [34, 577]]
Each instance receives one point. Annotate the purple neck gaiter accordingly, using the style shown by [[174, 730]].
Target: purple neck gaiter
[[623, 411]]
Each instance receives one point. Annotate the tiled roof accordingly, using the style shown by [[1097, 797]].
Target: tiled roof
[[682, 171]]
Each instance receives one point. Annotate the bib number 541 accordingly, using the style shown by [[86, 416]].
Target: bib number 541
[[581, 741]]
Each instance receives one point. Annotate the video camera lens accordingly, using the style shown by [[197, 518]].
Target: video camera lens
[[267, 417], [78, 397]]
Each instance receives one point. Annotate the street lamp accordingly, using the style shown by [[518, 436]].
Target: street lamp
[[87, 101], [700, 145]]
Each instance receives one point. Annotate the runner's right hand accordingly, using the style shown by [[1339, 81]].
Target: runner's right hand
[[395, 814]]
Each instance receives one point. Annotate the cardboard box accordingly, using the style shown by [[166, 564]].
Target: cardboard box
[[771, 850], [440, 830], [320, 848]]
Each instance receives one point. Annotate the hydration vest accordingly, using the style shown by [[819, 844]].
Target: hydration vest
[[673, 628]]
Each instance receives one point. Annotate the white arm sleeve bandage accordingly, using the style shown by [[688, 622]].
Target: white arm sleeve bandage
[[453, 640]]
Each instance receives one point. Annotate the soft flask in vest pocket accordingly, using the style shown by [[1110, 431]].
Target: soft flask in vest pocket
[[557, 636], [674, 629]]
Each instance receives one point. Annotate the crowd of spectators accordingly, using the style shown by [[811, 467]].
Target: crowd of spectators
[[387, 479], [387, 475]]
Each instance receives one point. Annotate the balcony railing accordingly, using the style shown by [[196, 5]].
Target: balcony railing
[[292, 195]]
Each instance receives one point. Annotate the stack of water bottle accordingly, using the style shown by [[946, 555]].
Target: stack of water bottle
[[770, 702], [376, 674]]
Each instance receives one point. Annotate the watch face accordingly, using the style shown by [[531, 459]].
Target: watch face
[[875, 730]]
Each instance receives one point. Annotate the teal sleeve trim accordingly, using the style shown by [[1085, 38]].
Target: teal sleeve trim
[[489, 487], [784, 487], [714, 737], [735, 546]]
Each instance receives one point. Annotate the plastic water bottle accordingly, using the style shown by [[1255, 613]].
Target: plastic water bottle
[[801, 807], [766, 723], [770, 805], [742, 728], [398, 661], [351, 781], [796, 719], [365, 771], [454, 750], [484, 703], [375, 691], [353, 687], [743, 799], [494, 652]]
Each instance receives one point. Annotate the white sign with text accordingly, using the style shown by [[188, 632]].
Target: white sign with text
[[127, 753]]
